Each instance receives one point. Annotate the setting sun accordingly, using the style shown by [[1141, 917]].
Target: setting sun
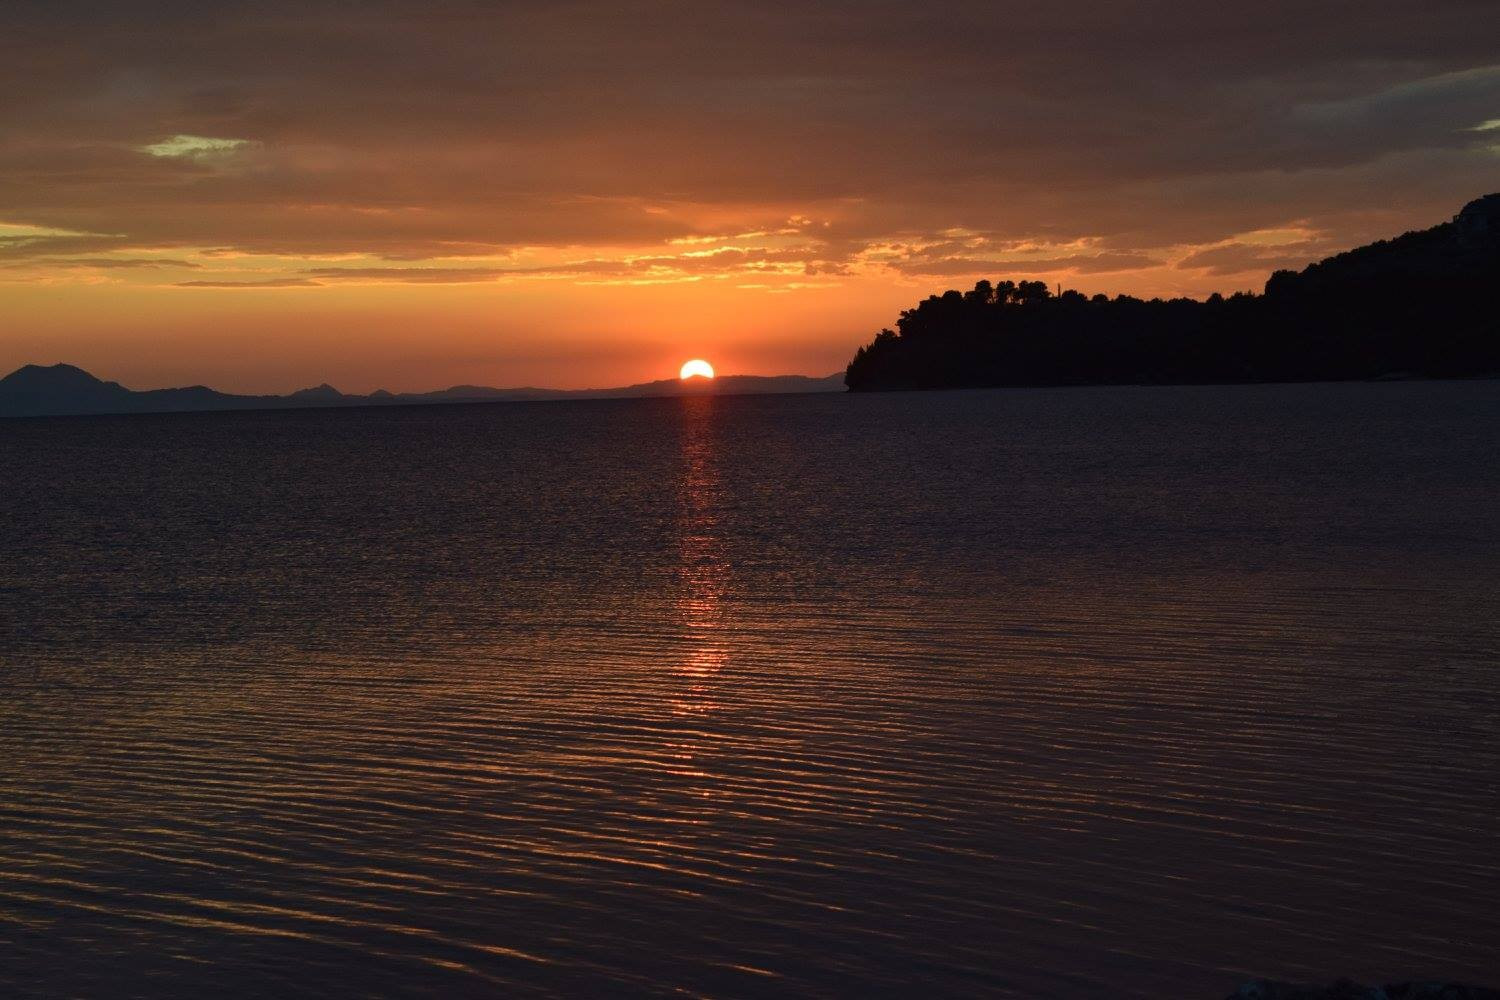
[[696, 369]]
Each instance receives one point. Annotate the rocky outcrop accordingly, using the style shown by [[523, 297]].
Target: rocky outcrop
[[1344, 989]]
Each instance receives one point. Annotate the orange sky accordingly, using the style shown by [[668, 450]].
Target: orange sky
[[410, 196]]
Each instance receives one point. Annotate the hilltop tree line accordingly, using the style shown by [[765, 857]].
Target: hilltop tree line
[[1424, 305]]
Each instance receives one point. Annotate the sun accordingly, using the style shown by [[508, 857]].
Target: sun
[[696, 368]]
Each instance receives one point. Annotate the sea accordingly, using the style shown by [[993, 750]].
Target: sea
[[1041, 693]]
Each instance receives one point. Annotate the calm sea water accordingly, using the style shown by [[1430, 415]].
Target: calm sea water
[[1074, 693]]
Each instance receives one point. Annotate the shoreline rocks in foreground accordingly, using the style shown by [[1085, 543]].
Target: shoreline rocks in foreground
[[1344, 989]]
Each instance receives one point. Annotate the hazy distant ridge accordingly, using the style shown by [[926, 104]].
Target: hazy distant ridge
[[59, 390]]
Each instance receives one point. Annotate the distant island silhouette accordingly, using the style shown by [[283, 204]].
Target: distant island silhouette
[[65, 390], [1422, 305]]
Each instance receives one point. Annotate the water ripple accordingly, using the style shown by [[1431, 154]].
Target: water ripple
[[1032, 694]]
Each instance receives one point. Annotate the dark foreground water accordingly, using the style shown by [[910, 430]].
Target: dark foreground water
[[1077, 693]]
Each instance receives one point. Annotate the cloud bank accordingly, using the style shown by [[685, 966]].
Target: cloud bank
[[1128, 145]]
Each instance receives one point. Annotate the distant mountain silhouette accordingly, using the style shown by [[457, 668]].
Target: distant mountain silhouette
[[64, 389], [1426, 304], [58, 390], [318, 395]]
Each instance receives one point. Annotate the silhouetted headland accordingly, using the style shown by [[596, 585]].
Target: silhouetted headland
[[60, 390], [1423, 305]]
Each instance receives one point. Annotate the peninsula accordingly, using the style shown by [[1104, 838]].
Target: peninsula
[[1422, 305]]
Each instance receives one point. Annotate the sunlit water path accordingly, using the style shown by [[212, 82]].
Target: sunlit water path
[[1127, 692]]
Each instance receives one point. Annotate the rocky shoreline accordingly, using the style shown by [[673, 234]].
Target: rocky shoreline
[[1344, 989]]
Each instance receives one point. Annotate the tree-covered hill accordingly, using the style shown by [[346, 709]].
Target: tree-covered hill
[[1426, 304]]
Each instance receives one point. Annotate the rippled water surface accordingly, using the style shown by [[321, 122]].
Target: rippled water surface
[[1126, 692]]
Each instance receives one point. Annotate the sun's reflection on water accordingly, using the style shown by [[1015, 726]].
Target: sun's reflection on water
[[703, 570]]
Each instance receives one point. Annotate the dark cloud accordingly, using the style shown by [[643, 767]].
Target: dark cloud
[[35, 247], [412, 275], [257, 283], [1240, 258], [1102, 263], [803, 260], [442, 129], [104, 263]]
